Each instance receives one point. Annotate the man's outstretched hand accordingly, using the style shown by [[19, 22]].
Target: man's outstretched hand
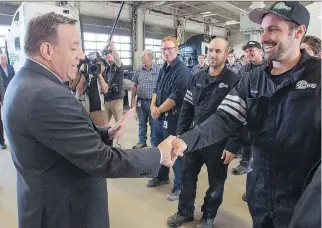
[[179, 147], [166, 148]]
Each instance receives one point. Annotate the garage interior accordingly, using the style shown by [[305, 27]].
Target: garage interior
[[143, 25]]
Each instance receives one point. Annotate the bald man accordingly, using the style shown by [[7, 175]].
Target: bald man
[[206, 91]]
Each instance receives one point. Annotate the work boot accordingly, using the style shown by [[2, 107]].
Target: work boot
[[244, 197], [177, 220], [241, 169], [174, 194], [156, 182], [3, 146], [205, 223], [139, 146]]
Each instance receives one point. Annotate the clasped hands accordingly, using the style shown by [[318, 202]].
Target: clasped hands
[[173, 147]]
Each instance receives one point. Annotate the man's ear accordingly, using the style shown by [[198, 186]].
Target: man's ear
[[300, 32], [46, 50]]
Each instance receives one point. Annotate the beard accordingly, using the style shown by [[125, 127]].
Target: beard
[[215, 63], [280, 50]]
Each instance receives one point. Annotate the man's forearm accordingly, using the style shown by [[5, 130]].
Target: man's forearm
[[167, 105], [116, 56], [103, 84], [133, 94], [154, 99]]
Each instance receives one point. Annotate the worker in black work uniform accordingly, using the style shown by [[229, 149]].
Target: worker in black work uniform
[[254, 55], [253, 52], [166, 104], [281, 103], [206, 91]]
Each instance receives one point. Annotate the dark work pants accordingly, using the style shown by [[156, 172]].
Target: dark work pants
[[1, 130], [217, 174], [246, 150], [161, 133]]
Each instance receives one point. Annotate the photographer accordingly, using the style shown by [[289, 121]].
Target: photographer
[[114, 75], [93, 86]]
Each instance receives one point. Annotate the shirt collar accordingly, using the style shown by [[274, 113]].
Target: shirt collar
[[172, 64], [144, 67], [220, 76], [46, 68]]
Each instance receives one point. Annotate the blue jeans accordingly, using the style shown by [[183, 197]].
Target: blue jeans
[[144, 114], [161, 134]]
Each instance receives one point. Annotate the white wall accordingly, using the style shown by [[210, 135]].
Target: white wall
[[315, 25], [236, 39]]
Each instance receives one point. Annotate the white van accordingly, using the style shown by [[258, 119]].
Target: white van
[[16, 35]]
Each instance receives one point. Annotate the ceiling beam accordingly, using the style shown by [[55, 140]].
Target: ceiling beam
[[214, 9]]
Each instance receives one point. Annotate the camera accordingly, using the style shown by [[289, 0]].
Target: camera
[[93, 64]]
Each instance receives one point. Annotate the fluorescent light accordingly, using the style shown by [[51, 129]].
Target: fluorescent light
[[206, 12], [232, 22], [209, 15]]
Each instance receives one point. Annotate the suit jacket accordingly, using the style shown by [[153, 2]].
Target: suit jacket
[[6, 79], [60, 159]]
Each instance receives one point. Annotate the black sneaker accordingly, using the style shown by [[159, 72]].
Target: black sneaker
[[177, 220], [205, 223], [156, 182], [240, 169], [244, 197], [3, 146], [139, 146]]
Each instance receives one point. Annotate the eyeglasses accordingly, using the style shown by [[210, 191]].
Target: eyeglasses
[[167, 49]]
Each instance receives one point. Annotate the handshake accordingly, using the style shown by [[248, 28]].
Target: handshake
[[170, 149]]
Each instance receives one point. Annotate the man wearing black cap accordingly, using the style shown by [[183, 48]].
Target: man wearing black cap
[[281, 104], [253, 52]]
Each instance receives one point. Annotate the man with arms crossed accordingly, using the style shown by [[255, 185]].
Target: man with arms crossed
[[60, 156], [281, 103]]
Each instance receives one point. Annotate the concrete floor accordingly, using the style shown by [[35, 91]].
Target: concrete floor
[[131, 203]]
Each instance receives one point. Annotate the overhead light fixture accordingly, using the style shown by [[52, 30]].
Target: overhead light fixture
[[213, 14], [232, 22], [205, 12]]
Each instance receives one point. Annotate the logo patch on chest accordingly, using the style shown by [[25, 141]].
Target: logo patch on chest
[[222, 85], [305, 85]]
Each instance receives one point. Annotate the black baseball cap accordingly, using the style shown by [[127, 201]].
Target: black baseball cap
[[288, 10], [252, 44]]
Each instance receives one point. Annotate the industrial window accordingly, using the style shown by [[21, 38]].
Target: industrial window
[[96, 42], [155, 46]]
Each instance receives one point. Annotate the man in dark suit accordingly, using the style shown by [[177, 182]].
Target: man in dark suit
[[6, 70], [6, 74], [59, 154]]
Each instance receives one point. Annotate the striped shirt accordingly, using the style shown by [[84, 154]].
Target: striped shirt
[[146, 80]]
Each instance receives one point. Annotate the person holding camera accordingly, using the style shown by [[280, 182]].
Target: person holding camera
[[114, 75], [93, 86]]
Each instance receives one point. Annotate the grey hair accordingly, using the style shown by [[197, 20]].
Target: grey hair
[[44, 28], [149, 52]]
